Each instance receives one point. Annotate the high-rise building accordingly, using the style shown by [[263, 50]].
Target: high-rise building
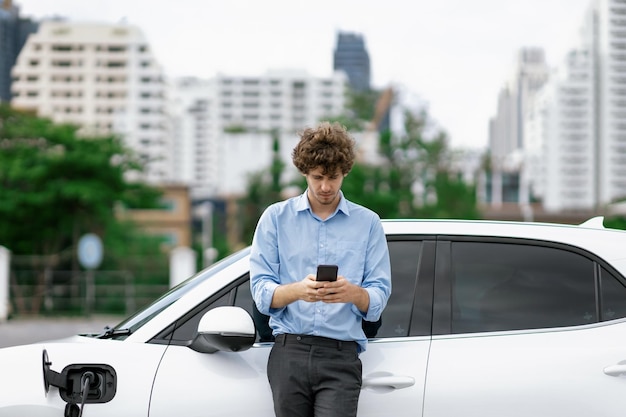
[[609, 55], [13, 33], [222, 127], [506, 130], [102, 78], [352, 57], [581, 144], [559, 156]]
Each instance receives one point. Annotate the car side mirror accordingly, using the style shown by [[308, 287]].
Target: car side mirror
[[225, 328]]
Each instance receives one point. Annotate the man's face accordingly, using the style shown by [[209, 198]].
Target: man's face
[[324, 189]]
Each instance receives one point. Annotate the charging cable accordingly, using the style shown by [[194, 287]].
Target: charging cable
[[85, 381]]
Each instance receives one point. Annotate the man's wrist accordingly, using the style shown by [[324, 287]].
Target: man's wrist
[[363, 300]]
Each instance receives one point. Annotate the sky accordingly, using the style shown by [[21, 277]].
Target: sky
[[452, 56]]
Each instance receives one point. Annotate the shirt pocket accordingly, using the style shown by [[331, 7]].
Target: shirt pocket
[[351, 259]]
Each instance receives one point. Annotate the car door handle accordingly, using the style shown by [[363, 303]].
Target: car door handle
[[615, 370], [388, 381]]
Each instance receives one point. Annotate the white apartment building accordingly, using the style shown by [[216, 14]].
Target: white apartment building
[[582, 113], [559, 154], [102, 78], [222, 126], [610, 55]]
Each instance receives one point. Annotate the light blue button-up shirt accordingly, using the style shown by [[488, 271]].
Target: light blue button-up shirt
[[290, 241]]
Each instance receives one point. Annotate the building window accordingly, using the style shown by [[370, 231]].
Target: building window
[[64, 63], [62, 48]]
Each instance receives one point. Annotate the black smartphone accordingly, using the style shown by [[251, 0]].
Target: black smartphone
[[327, 272]]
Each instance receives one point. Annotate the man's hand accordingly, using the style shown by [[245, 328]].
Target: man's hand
[[305, 290], [310, 290], [343, 291]]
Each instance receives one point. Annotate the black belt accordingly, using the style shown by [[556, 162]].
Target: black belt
[[315, 341]]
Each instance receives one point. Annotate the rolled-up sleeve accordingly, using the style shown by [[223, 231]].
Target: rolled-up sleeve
[[264, 264], [377, 274]]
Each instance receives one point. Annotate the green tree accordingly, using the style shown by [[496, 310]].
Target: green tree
[[454, 199], [360, 110], [416, 177], [55, 186], [615, 222], [264, 188], [367, 185]]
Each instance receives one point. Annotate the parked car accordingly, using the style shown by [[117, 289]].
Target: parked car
[[486, 318]]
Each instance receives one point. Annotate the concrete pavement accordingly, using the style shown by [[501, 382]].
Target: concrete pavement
[[21, 331]]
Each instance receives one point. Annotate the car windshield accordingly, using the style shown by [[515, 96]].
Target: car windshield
[[134, 322]]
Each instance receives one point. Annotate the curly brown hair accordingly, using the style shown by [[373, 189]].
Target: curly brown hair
[[328, 146]]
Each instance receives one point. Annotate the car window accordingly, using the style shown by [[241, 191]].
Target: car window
[[613, 300], [396, 319], [187, 327], [500, 286], [243, 299], [143, 316]]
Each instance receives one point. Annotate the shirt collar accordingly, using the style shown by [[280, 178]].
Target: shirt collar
[[303, 204]]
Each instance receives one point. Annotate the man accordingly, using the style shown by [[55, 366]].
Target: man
[[314, 367]]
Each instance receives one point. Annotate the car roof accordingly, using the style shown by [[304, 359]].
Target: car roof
[[609, 244]]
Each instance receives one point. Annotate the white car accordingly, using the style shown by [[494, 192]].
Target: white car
[[485, 319]]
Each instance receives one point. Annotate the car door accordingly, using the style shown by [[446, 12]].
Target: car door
[[190, 383], [524, 328], [394, 364], [235, 384]]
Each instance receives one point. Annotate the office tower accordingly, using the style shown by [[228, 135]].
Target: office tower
[[506, 131], [102, 78], [13, 33], [352, 57]]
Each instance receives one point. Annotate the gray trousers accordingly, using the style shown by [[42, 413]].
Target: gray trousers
[[314, 377]]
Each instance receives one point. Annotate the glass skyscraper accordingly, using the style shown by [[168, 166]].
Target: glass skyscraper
[[352, 58], [13, 33]]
